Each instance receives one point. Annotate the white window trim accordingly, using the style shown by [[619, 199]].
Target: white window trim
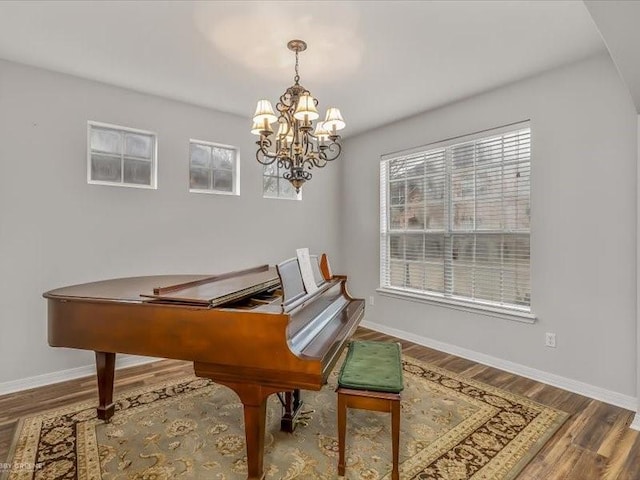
[[298, 197], [236, 177], [460, 304], [154, 160], [524, 314]]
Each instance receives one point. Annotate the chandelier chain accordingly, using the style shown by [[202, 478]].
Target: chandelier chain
[[297, 77]]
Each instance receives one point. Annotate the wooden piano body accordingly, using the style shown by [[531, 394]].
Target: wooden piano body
[[234, 327]]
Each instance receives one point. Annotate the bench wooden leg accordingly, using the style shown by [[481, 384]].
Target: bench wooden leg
[[342, 429], [395, 438]]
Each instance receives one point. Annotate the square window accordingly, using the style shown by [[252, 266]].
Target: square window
[[121, 156], [213, 168], [274, 185]]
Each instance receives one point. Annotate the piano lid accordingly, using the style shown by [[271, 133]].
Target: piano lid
[[219, 289], [205, 290]]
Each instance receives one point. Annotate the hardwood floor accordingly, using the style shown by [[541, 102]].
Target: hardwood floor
[[595, 443]]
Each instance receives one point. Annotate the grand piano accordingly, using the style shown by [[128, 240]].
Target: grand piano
[[257, 331]]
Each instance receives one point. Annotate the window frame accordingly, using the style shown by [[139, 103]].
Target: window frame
[[279, 178], [235, 175], [524, 313], [119, 128]]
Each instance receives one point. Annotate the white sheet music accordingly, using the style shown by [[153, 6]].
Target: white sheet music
[[304, 261]]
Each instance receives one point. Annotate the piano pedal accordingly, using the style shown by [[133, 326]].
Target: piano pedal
[[303, 418]]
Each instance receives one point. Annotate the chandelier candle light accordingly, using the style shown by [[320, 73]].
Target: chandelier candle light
[[296, 148]]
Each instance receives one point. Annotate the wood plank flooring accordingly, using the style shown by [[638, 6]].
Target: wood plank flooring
[[594, 443]]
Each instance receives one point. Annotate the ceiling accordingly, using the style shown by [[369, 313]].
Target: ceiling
[[378, 61]]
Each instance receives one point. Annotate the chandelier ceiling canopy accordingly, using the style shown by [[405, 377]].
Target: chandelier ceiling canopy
[[297, 147]]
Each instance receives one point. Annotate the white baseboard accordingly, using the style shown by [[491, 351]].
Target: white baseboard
[[635, 425], [614, 398], [122, 361]]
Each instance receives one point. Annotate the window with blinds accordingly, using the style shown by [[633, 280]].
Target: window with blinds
[[454, 220]]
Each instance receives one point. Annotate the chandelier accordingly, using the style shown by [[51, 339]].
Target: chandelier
[[297, 147]]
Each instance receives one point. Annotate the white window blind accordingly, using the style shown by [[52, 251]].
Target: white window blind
[[455, 220]]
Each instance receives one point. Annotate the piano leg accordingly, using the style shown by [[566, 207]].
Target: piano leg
[[105, 366], [254, 421], [254, 398]]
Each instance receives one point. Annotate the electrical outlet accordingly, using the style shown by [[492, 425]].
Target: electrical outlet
[[550, 339], [371, 301]]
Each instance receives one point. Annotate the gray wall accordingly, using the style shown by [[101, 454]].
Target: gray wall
[[583, 241], [56, 230]]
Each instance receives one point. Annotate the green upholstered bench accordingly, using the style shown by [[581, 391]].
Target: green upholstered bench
[[371, 379]]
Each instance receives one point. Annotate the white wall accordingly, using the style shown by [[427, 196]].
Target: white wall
[[583, 241], [57, 230]]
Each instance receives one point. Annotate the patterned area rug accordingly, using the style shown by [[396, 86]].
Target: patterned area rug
[[453, 428]]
